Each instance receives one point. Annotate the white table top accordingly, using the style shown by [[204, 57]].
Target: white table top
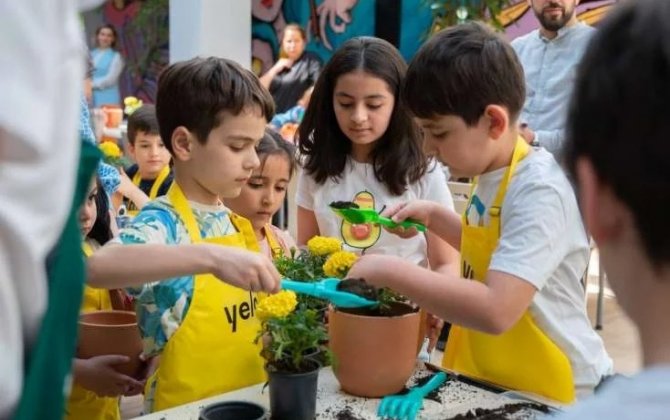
[[457, 397]]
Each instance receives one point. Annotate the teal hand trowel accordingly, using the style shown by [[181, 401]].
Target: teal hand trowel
[[353, 214], [327, 289]]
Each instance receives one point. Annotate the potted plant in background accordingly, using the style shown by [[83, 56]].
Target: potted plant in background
[[290, 335]]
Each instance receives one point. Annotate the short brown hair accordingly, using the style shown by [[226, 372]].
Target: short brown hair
[[460, 71], [195, 92], [142, 120]]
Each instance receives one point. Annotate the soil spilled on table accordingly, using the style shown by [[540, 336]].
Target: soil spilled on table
[[505, 412]]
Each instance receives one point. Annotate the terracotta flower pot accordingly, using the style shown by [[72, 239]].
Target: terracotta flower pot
[[373, 355], [113, 115], [111, 332]]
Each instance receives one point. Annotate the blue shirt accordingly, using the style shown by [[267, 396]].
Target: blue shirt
[[550, 66]]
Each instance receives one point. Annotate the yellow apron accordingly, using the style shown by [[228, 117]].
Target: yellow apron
[[523, 358], [153, 193], [84, 404], [275, 247], [213, 350]]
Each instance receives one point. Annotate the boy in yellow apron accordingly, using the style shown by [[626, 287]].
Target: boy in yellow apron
[[627, 211], [212, 113], [151, 173], [521, 321]]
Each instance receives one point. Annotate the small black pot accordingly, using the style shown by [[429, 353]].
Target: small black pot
[[234, 410], [293, 395]]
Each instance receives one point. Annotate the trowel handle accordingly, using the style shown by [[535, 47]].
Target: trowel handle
[[405, 224], [301, 287]]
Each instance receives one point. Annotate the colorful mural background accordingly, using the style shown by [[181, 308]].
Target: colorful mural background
[[329, 23], [143, 29]]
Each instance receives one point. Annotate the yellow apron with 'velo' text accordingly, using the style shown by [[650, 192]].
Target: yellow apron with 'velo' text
[[84, 404], [153, 193], [523, 358], [213, 350]]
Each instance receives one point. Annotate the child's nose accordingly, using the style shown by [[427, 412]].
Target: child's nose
[[359, 115]]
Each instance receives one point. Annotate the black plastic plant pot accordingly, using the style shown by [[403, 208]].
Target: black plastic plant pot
[[293, 395], [234, 410]]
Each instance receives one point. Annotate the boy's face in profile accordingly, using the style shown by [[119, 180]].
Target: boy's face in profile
[[150, 154], [225, 162], [465, 150]]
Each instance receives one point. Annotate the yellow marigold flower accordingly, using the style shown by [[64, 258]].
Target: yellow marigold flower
[[323, 245], [339, 263], [278, 305], [110, 149], [131, 104]]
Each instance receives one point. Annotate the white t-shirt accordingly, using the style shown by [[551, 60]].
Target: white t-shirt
[[644, 396], [358, 184], [543, 242]]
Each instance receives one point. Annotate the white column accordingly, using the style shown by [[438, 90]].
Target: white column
[[220, 28]]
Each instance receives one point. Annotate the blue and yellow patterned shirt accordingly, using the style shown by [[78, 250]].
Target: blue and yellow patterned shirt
[[162, 306]]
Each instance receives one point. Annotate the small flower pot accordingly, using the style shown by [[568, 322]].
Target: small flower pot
[[233, 410], [293, 395], [111, 332]]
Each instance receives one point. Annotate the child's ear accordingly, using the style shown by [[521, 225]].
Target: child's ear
[[498, 120], [131, 150], [603, 212], [182, 142]]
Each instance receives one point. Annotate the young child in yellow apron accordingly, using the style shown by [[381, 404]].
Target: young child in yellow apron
[[151, 173], [264, 194], [212, 113], [521, 321], [84, 404]]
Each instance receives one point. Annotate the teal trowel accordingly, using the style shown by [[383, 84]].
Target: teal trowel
[[327, 289]]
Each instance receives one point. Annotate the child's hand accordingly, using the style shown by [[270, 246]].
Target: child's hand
[[245, 269], [371, 268], [418, 211], [97, 374], [433, 328]]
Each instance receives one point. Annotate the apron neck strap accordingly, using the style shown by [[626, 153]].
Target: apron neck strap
[[183, 209], [162, 175], [521, 150]]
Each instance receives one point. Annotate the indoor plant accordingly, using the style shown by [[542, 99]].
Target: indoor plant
[[290, 335]]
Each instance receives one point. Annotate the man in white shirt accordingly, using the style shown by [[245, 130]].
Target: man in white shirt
[[618, 118], [549, 56]]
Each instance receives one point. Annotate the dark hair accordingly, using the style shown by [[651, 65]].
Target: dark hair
[[273, 144], [144, 120], [101, 230], [111, 28], [460, 71], [194, 94], [617, 117], [397, 157], [294, 27]]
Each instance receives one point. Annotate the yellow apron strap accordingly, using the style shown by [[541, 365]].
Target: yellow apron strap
[[183, 209], [162, 175], [521, 150], [246, 229], [86, 247], [275, 247]]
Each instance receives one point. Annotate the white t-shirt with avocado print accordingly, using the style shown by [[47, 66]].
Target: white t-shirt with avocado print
[[358, 184]]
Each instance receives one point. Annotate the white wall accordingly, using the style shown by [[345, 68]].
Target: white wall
[[220, 28]]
